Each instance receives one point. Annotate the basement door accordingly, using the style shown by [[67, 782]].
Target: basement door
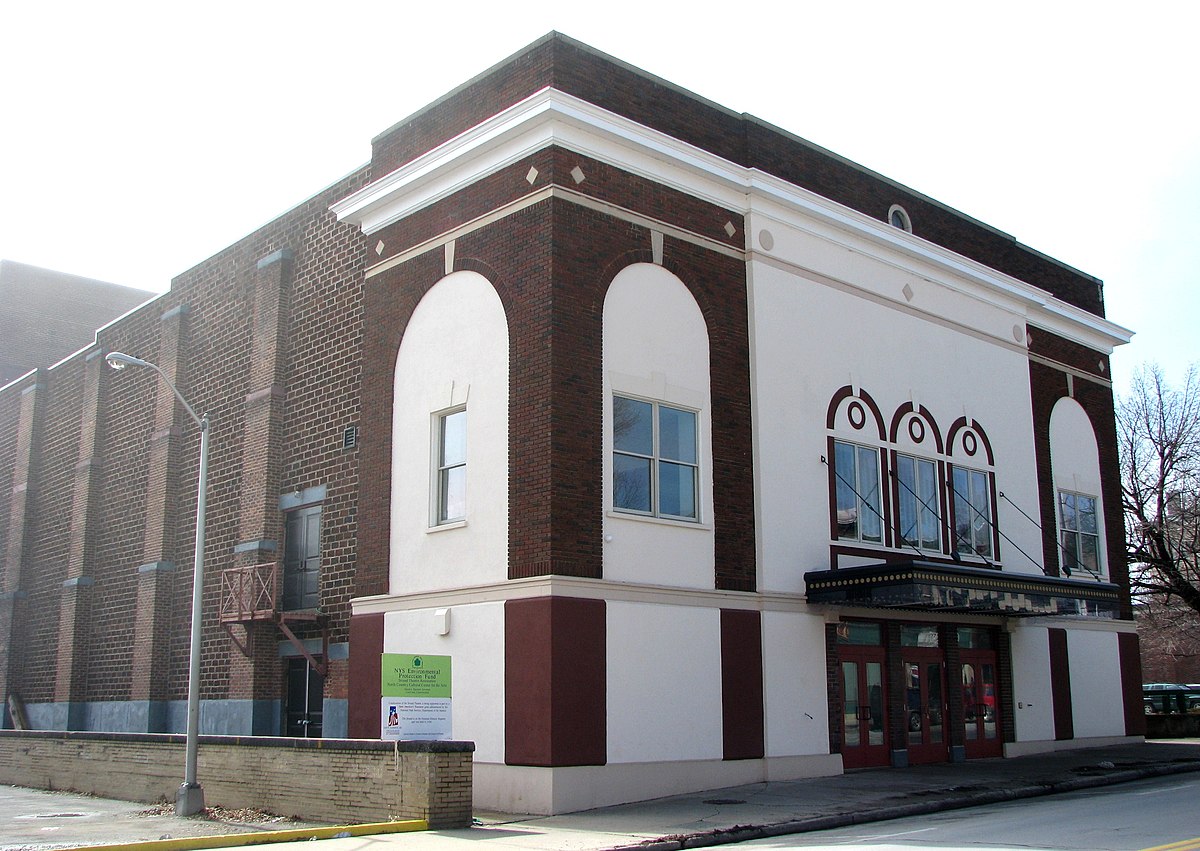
[[304, 705]]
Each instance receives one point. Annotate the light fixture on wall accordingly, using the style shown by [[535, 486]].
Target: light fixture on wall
[[189, 799]]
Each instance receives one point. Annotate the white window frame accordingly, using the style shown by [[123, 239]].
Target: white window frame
[[656, 460], [988, 512], [440, 470], [931, 502], [855, 483], [1078, 534]]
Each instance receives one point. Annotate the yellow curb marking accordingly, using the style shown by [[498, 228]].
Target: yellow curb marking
[[1185, 845], [229, 840]]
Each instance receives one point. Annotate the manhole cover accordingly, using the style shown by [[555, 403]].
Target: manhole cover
[[719, 801]]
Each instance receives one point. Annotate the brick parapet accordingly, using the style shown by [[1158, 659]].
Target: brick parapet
[[564, 64]]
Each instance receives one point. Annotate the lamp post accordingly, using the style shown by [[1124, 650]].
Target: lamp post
[[189, 800]]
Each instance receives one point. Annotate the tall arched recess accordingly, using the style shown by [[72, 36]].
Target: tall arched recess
[[658, 467], [1079, 508], [449, 512]]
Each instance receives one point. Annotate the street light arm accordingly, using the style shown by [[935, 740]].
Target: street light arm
[[120, 360]]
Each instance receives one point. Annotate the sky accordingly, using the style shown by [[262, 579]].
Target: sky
[[138, 139]]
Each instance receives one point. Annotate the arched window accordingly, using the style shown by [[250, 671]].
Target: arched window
[[972, 492]]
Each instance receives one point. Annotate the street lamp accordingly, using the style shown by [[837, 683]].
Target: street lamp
[[189, 800]]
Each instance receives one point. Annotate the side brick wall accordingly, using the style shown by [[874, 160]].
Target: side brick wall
[[329, 780]]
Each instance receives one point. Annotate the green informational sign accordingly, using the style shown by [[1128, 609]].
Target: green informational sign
[[416, 697], [415, 676]]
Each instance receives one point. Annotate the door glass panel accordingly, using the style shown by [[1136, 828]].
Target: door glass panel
[[874, 702], [912, 635], [935, 704], [969, 702], [850, 703], [849, 632], [988, 699], [914, 705]]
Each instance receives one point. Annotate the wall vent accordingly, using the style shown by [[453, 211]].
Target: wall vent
[[350, 437]]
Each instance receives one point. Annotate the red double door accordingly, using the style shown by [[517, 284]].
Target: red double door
[[926, 709]]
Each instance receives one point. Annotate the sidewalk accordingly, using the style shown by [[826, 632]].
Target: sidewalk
[[771, 809]]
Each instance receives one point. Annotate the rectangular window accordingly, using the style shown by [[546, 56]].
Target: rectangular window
[[302, 559], [856, 474], [655, 459], [920, 525], [450, 498], [972, 512], [1080, 533]]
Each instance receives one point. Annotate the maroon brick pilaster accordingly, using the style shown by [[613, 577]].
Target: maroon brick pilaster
[[742, 684], [365, 683], [260, 522], [22, 520], [1060, 685], [1130, 655], [555, 682]]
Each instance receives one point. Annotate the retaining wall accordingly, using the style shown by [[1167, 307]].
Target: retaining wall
[[324, 780]]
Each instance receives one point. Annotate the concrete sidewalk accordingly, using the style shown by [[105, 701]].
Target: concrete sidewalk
[[782, 807]]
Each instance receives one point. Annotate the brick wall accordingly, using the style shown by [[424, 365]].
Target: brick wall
[[132, 503], [326, 780]]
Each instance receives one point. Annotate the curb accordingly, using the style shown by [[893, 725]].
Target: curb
[[232, 840], [742, 833]]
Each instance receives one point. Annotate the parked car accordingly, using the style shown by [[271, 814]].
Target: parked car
[[1171, 698]]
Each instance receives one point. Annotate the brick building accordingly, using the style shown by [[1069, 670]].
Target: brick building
[[48, 315], [706, 455]]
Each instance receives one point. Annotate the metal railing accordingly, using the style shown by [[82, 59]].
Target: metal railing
[[249, 593]]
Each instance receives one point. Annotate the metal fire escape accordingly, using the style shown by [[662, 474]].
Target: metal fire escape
[[250, 596]]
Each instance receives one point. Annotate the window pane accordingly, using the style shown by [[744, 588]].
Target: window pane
[[847, 502], [453, 494], [850, 700], [874, 701], [906, 473], [1086, 508], [633, 426], [1070, 550], [631, 483], [676, 434], [1066, 503], [870, 521], [677, 490], [849, 632], [1089, 556], [931, 534], [453, 439]]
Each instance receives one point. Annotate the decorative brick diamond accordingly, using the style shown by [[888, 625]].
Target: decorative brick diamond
[[577, 174], [908, 292], [379, 247], [730, 229], [532, 175]]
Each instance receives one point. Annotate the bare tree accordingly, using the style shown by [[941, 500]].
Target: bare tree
[[1158, 430]]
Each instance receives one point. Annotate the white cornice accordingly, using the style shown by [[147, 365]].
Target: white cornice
[[591, 589], [553, 118]]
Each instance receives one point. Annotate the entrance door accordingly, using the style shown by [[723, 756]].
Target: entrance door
[[981, 706], [864, 719], [305, 700], [925, 706]]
